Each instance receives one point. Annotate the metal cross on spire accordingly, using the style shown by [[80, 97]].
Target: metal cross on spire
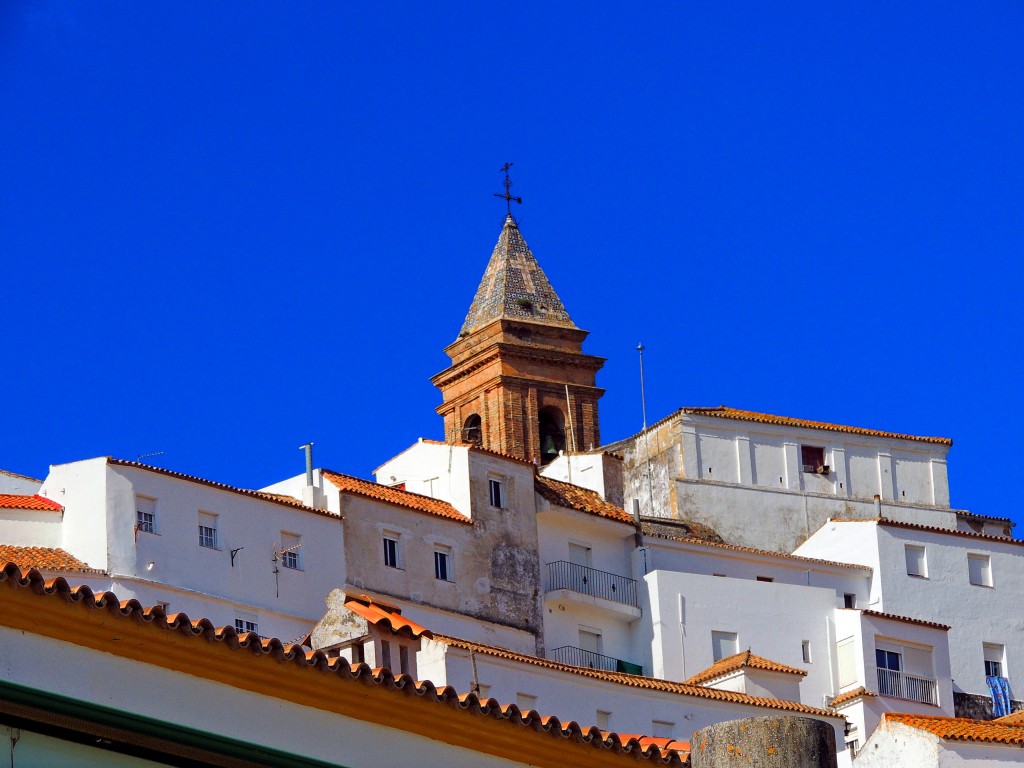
[[507, 197]]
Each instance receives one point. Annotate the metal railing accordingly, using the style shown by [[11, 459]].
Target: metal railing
[[578, 657], [904, 686], [590, 581]]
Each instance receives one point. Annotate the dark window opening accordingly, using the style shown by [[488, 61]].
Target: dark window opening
[[552, 434], [849, 600], [812, 458], [471, 430]]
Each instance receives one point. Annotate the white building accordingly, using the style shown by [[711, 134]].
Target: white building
[[917, 741]]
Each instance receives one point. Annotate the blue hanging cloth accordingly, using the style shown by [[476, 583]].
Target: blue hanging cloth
[[1000, 688]]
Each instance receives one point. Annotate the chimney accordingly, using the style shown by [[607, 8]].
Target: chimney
[[309, 493]]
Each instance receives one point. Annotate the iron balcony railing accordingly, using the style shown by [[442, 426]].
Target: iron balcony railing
[[590, 581], [904, 686], [577, 657]]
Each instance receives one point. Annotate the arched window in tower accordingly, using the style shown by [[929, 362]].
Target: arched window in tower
[[552, 434], [471, 431]]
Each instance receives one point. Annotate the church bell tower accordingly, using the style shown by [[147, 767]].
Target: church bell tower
[[519, 382]]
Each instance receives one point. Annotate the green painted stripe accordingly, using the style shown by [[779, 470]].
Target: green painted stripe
[[147, 726]]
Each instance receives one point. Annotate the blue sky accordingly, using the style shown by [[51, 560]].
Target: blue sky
[[231, 228]]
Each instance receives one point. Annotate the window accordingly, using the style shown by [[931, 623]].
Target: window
[[165, 606], [579, 554], [846, 655], [291, 547], [917, 564], [145, 514], [891, 660], [443, 563], [812, 458], [765, 578], [994, 656], [246, 623], [979, 568], [526, 702], [662, 729], [805, 649], [207, 530], [849, 600], [724, 644], [602, 719], [392, 552], [497, 491], [590, 639], [905, 671], [471, 431]]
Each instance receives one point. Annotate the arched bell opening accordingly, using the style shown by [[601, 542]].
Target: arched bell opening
[[552, 434], [471, 430]]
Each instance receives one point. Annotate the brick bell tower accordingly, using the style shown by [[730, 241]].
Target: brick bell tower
[[519, 382]]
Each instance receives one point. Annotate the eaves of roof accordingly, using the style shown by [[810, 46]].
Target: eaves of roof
[[24, 501], [272, 498], [266, 666], [414, 501], [571, 496], [743, 660], [907, 620], [638, 681], [759, 552], [44, 558], [845, 698], [960, 728], [886, 522]]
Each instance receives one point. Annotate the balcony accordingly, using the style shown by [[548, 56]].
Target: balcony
[[590, 581], [577, 657], [900, 685]]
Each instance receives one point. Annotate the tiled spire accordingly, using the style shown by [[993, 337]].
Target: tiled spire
[[514, 287]]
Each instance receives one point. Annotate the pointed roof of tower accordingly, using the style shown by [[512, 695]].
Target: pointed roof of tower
[[514, 287]]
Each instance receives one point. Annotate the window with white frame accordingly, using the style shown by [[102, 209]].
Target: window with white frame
[[917, 562], [905, 671], [246, 622], [590, 639], [724, 644], [805, 650], [847, 662], [995, 656], [145, 514], [603, 719], [443, 563], [291, 550], [979, 569], [579, 554], [662, 729], [496, 491], [207, 530], [392, 550]]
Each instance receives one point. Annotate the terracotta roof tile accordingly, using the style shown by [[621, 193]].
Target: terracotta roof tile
[[44, 558], [638, 681], [885, 522], [581, 499], [273, 498], [961, 729], [407, 499], [737, 414], [386, 615], [20, 477], [906, 620], [243, 645], [1014, 718], [856, 693], [20, 501], [761, 552], [744, 659]]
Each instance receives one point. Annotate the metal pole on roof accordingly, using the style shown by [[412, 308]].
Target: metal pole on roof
[[647, 437]]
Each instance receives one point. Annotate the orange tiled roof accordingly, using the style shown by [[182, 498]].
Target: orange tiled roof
[[856, 693], [725, 412], [381, 613], [638, 681], [886, 522], [274, 498], [1014, 718], [761, 552], [249, 644], [682, 748], [20, 501], [44, 558], [407, 499], [906, 619], [744, 659], [960, 728], [581, 499]]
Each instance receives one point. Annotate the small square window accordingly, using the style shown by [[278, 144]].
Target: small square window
[[849, 600], [443, 564], [662, 729], [392, 551], [917, 562], [207, 530], [602, 719], [145, 514], [805, 650], [291, 548], [994, 655], [497, 493], [724, 645], [979, 568], [245, 623], [812, 458]]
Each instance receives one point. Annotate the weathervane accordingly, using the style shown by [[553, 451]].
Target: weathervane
[[507, 197]]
